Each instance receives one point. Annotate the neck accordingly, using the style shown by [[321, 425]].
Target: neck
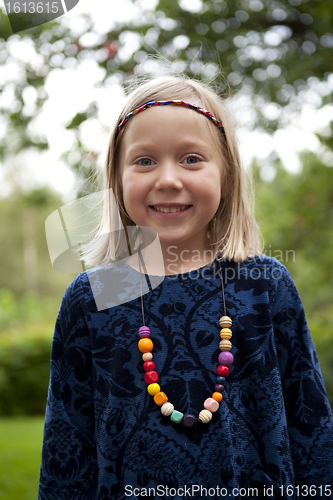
[[178, 260], [159, 259]]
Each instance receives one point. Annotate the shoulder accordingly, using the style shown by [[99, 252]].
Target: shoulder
[[270, 274], [263, 267], [77, 293], [282, 289]]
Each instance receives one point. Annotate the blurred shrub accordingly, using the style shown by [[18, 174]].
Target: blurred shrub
[[24, 374], [26, 328], [31, 308]]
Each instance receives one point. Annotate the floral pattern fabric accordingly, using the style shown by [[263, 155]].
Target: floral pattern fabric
[[105, 438]]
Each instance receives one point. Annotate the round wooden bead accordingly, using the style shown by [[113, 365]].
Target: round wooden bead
[[225, 334], [188, 420], [226, 358], [167, 409], [153, 389], [144, 332], [217, 396], [176, 416], [220, 380], [160, 398], [225, 345], [147, 356], [149, 366], [145, 345], [225, 322], [222, 370], [219, 387], [211, 405], [151, 377], [205, 416]]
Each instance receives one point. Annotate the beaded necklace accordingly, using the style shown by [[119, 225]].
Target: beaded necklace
[[225, 359]]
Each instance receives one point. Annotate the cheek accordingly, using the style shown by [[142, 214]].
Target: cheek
[[210, 189], [133, 190]]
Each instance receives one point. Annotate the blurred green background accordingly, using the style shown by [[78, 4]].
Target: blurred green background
[[273, 55]]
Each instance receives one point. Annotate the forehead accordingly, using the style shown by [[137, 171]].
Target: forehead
[[171, 119]]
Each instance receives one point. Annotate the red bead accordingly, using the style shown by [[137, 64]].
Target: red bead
[[151, 377], [222, 370], [148, 366]]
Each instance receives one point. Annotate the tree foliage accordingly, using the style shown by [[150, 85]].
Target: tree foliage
[[295, 213], [25, 264], [274, 52]]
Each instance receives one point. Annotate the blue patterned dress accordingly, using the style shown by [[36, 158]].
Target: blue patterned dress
[[105, 438]]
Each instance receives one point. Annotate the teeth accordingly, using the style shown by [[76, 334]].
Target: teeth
[[170, 209]]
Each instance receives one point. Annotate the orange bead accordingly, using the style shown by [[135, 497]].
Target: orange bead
[[160, 398], [217, 396], [145, 345]]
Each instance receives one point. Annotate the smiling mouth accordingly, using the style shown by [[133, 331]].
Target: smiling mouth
[[171, 210]]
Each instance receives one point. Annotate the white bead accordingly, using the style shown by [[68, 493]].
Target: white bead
[[205, 416], [225, 322], [225, 345], [167, 409]]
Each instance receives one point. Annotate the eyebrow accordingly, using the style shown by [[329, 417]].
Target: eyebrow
[[182, 144]]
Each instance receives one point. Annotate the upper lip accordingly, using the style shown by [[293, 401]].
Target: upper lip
[[169, 205]]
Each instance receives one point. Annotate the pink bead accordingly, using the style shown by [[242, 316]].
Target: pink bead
[[147, 356], [144, 332], [211, 404], [226, 358]]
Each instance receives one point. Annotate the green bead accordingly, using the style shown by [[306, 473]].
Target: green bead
[[176, 416]]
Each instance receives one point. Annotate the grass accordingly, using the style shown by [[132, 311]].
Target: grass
[[20, 453]]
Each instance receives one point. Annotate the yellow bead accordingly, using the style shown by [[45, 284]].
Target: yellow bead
[[153, 389], [225, 334], [225, 322], [217, 396], [160, 398], [225, 345], [145, 345]]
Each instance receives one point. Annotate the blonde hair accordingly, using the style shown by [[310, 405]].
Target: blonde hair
[[234, 233]]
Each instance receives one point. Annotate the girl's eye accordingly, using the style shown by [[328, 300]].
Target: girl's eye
[[191, 160], [145, 162]]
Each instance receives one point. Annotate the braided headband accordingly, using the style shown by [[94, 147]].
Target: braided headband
[[179, 103]]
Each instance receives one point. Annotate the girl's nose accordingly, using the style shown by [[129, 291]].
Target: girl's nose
[[168, 176]]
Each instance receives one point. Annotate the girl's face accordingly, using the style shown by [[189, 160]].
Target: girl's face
[[169, 161]]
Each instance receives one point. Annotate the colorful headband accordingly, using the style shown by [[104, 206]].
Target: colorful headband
[[179, 103]]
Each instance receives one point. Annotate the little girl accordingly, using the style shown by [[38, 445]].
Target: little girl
[[207, 386]]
